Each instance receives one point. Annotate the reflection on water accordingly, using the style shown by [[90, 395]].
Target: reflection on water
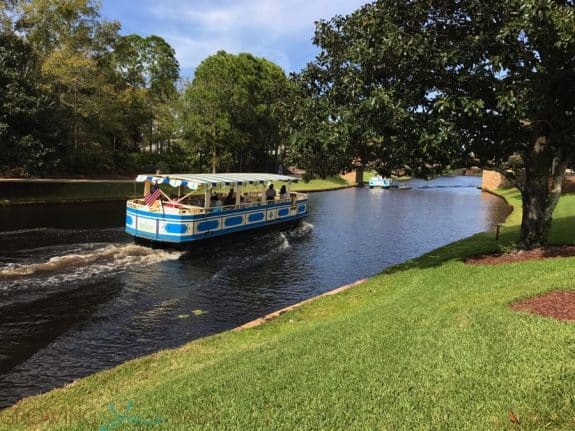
[[77, 296]]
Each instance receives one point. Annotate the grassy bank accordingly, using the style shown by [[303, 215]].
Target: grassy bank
[[429, 344], [53, 191]]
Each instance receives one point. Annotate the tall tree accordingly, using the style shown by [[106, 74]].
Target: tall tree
[[150, 64], [49, 25], [427, 83], [230, 111], [26, 141]]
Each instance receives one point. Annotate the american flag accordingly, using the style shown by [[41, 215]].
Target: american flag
[[152, 197]]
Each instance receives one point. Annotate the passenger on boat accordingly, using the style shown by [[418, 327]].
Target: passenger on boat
[[283, 192], [213, 199], [270, 193], [230, 198], [217, 205]]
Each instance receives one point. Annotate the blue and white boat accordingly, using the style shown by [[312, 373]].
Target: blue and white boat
[[384, 183], [181, 208]]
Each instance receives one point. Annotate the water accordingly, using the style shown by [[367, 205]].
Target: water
[[77, 295]]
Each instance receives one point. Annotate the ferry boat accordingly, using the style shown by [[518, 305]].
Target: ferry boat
[[384, 183], [182, 208]]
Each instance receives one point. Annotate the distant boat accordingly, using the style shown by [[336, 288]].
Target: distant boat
[[183, 208], [384, 183]]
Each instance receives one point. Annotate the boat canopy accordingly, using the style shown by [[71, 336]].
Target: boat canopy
[[197, 181]]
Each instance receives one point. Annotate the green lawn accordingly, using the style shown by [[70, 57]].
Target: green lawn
[[318, 184], [429, 344]]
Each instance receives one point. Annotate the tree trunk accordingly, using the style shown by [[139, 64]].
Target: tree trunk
[[536, 222], [540, 193], [359, 170]]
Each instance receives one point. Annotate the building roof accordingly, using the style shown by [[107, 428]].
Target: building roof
[[196, 181]]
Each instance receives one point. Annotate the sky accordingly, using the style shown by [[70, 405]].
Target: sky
[[279, 30]]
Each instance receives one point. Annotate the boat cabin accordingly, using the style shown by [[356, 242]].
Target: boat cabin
[[188, 207], [384, 183]]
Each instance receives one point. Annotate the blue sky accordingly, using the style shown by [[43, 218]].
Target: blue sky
[[280, 31]]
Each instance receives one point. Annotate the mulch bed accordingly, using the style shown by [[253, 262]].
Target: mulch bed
[[547, 252], [558, 305]]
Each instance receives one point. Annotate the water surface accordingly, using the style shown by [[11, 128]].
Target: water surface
[[77, 295]]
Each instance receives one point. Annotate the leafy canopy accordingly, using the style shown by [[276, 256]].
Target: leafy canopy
[[231, 112], [428, 83]]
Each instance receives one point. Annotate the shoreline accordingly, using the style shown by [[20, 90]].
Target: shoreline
[[103, 188]]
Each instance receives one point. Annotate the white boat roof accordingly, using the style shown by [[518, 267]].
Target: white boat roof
[[196, 181]]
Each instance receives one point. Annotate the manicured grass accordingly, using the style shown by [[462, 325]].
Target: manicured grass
[[318, 184], [429, 344], [367, 175]]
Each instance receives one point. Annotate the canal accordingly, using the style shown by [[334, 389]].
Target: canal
[[78, 296]]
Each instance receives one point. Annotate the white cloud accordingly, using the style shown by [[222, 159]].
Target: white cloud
[[278, 30]]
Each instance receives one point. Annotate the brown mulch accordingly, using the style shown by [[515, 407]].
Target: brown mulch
[[547, 252], [558, 305]]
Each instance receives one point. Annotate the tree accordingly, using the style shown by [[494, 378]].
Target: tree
[[149, 64], [49, 25], [25, 141], [108, 96], [428, 83], [231, 112]]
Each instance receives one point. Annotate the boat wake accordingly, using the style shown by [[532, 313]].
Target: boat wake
[[82, 262], [302, 230], [257, 252]]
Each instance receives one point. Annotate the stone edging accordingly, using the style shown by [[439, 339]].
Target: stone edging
[[261, 320]]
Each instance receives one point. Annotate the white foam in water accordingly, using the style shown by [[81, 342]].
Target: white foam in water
[[98, 261], [303, 229], [284, 244]]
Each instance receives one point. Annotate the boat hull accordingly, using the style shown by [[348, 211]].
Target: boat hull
[[173, 228], [384, 183]]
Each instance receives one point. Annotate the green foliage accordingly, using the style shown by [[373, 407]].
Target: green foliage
[[426, 84], [24, 110], [50, 25], [106, 96], [229, 112], [149, 63]]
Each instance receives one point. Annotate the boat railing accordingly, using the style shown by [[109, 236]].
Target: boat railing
[[172, 207]]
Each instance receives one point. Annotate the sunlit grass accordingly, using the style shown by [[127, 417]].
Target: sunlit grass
[[319, 184], [429, 344]]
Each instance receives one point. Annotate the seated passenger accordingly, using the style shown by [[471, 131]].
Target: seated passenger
[[283, 193], [270, 193], [217, 205], [230, 198]]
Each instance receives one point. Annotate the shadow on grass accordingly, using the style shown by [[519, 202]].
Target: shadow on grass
[[481, 243], [562, 233]]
